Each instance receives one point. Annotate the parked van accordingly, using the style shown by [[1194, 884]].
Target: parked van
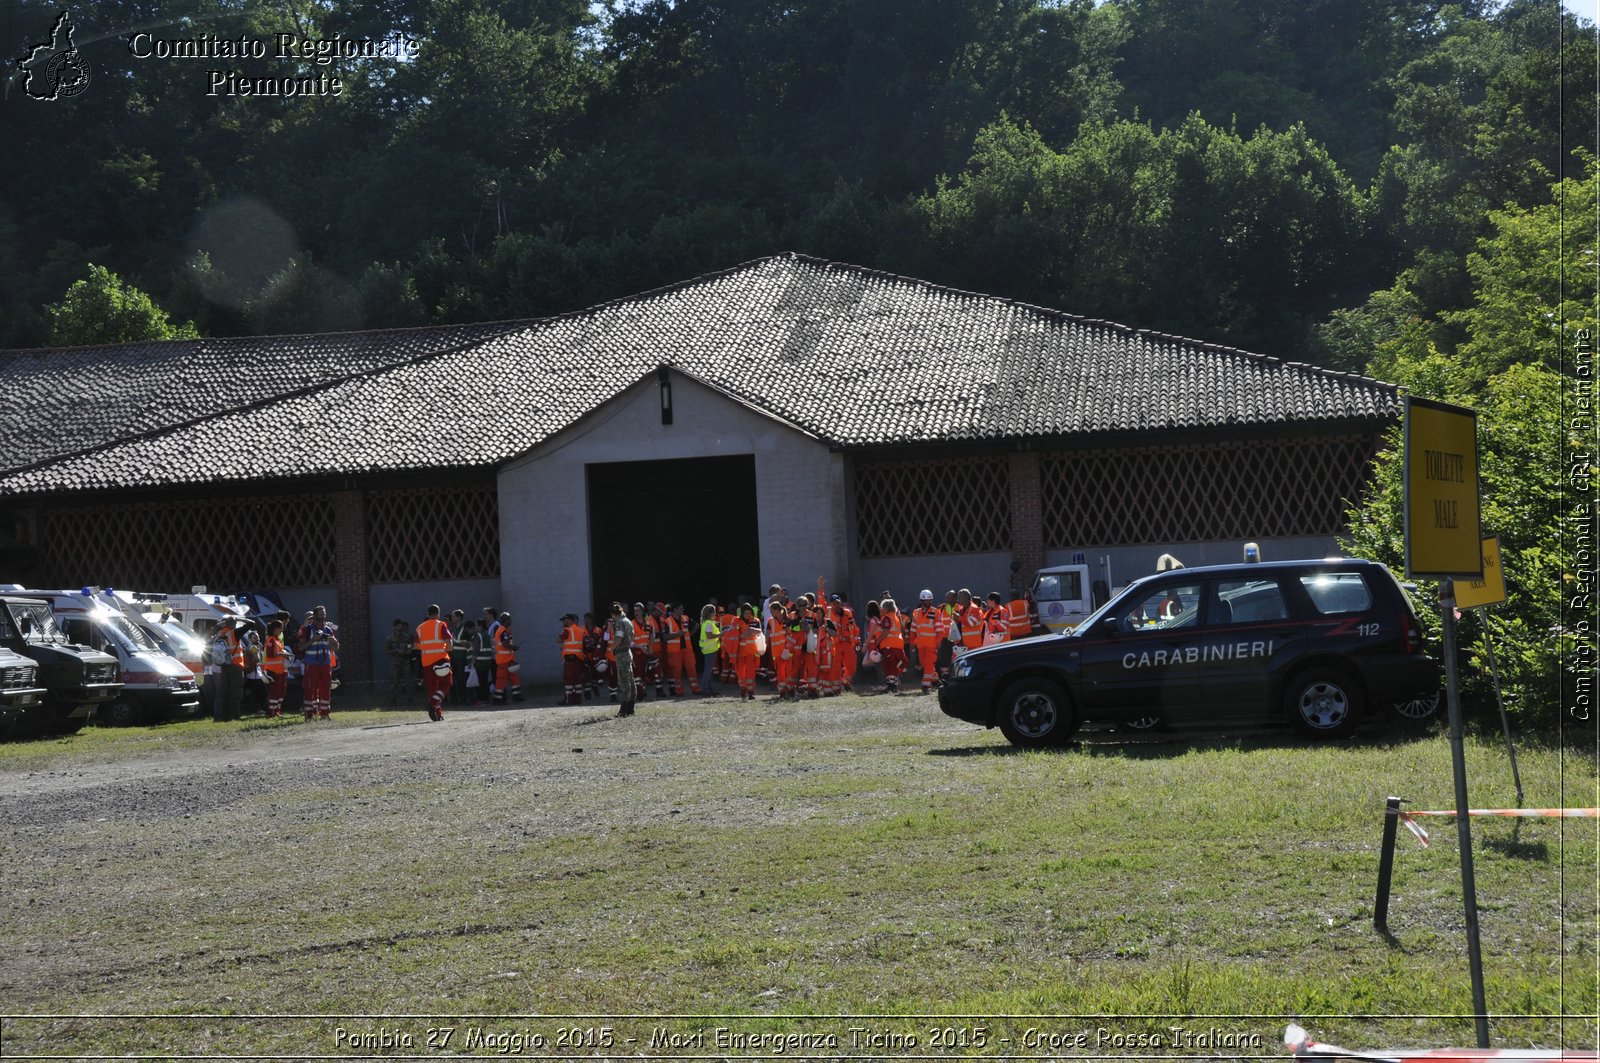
[[155, 685], [77, 679]]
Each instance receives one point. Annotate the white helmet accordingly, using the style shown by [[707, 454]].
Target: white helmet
[[926, 595]]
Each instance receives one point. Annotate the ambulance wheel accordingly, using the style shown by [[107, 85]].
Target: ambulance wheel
[[1323, 702], [1033, 713], [120, 713]]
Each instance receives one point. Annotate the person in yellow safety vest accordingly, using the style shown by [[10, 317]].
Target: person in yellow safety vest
[[710, 639], [433, 648], [1020, 616], [571, 639], [925, 633], [749, 657], [275, 663], [507, 672]]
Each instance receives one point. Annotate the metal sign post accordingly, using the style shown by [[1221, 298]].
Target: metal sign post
[[1443, 540], [1479, 595]]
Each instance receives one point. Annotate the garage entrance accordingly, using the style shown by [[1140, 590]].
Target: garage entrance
[[673, 531]]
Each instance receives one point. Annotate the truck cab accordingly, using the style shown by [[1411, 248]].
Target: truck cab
[[20, 692], [77, 679], [1064, 595], [155, 686]]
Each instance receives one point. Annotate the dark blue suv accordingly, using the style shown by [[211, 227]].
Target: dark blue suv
[[1321, 641]]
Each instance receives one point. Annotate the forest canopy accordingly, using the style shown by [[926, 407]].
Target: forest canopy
[[1243, 172]]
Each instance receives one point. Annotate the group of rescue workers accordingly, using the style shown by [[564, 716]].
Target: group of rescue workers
[[808, 646], [239, 655]]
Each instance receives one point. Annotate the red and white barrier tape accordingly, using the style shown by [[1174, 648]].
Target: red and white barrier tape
[[1514, 813], [1297, 1041]]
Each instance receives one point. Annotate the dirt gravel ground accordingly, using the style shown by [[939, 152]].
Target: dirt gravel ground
[[272, 759]]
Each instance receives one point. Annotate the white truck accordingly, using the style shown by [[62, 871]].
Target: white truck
[[1064, 594]]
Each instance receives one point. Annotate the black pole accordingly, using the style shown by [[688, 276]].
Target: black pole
[[1458, 759], [1380, 906]]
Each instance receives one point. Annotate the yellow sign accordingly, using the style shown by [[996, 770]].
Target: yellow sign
[[1491, 590], [1441, 489]]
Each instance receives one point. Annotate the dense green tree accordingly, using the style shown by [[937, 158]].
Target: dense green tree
[[1195, 230], [103, 308], [1526, 303]]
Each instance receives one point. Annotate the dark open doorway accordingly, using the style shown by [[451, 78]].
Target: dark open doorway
[[673, 531]]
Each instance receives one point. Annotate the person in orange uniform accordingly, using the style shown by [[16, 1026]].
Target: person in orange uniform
[[966, 625], [785, 651], [729, 624], [646, 667], [571, 659], [433, 646], [891, 644], [228, 651], [749, 658], [680, 654], [996, 621], [275, 663], [507, 672], [1021, 616], [810, 636], [844, 620], [925, 632], [830, 662]]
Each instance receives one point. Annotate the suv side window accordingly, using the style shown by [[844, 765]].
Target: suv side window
[[1332, 593], [1171, 605], [1248, 601]]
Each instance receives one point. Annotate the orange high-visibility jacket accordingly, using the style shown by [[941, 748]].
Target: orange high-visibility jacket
[[433, 641]]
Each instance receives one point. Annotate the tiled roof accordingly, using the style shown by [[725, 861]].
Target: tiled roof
[[856, 357], [59, 401]]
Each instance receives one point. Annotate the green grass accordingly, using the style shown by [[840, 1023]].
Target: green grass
[[859, 856]]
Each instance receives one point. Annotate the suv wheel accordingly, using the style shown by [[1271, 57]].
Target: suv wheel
[[1034, 713], [1323, 702], [1144, 724], [1421, 708]]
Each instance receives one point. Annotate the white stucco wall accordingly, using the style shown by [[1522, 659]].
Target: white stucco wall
[[544, 514]]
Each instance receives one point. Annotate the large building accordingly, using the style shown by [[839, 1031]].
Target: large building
[[788, 420]]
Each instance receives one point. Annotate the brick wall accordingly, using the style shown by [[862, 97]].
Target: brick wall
[[1027, 514]]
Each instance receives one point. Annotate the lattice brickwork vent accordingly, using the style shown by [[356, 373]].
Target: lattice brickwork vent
[[232, 544], [433, 534], [1213, 491], [912, 508]]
